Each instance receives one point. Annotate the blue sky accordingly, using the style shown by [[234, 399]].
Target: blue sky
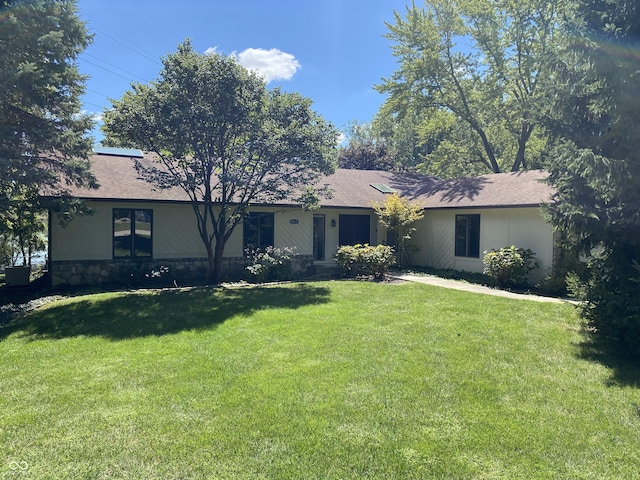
[[331, 51]]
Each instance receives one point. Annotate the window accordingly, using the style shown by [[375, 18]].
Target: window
[[132, 233], [258, 230], [468, 236]]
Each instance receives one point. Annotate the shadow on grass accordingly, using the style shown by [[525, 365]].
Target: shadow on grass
[[623, 364], [158, 312]]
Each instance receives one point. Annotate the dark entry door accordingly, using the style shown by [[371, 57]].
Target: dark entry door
[[354, 229]]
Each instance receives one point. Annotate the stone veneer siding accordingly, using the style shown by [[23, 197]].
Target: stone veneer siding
[[176, 272]]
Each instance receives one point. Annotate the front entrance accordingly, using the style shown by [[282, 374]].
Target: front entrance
[[355, 229], [318, 237]]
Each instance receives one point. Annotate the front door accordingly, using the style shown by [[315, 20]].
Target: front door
[[354, 229], [318, 237]]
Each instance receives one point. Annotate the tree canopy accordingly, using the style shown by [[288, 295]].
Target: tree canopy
[[44, 140], [480, 76], [223, 138], [596, 169]]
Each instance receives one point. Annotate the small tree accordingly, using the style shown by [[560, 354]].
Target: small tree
[[398, 215]]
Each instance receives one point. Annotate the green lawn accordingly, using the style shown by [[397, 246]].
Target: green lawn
[[318, 380]]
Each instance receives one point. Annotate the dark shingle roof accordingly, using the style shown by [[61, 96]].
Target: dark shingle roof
[[352, 188], [119, 180]]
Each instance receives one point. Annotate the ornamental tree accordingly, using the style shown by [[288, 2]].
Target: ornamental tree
[[398, 215], [224, 139]]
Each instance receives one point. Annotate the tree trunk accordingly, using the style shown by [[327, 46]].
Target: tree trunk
[[211, 266], [216, 263], [519, 162]]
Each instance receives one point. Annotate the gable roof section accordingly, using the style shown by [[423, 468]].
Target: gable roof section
[[352, 189], [119, 180]]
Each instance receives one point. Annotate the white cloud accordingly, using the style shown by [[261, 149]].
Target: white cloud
[[272, 64]]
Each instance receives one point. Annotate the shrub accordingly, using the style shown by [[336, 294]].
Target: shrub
[[269, 265], [365, 260], [509, 265]]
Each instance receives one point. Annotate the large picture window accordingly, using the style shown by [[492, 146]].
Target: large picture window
[[132, 233], [468, 236], [258, 230]]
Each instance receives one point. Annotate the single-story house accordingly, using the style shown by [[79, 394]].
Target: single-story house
[[463, 218]]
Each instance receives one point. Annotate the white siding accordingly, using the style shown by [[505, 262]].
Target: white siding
[[499, 227]]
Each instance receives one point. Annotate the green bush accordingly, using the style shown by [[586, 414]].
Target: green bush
[[269, 265], [365, 260], [509, 265]]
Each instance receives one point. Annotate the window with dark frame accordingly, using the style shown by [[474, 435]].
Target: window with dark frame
[[257, 232], [132, 233], [468, 236]]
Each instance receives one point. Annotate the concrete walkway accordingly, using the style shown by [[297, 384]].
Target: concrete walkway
[[470, 287]]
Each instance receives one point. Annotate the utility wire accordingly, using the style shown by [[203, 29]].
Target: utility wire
[[142, 54], [106, 69], [114, 66]]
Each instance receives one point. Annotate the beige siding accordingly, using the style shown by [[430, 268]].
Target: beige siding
[[84, 238], [175, 234], [499, 227], [294, 228]]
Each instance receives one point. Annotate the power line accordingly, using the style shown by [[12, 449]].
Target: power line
[[115, 66], [98, 93], [134, 50], [110, 71], [93, 105]]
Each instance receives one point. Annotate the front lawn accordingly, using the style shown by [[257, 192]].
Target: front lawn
[[320, 380]]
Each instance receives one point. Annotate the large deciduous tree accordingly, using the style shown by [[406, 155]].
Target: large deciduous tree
[[223, 138], [44, 142], [596, 171], [481, 75]]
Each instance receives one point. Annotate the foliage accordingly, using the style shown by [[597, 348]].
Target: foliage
[[366, 150], [44, 144], [365, 260], [609, 299], [367, 156], [480, 76], [509, 265], [596, 170], [566, 262], [269, 264], [398, 215], [224, 139]]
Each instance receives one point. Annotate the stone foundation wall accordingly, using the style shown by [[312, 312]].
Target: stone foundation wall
[[155, 273]]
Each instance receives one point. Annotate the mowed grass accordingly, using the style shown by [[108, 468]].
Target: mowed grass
[[311, 381]]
